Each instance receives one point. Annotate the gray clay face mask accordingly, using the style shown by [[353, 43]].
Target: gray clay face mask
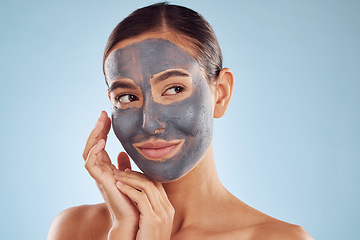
[[166, 132]]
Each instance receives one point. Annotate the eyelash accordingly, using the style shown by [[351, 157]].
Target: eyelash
[[176, 93], [182, 88], [117, 98]]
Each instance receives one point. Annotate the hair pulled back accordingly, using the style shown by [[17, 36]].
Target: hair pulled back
[[178, 19]]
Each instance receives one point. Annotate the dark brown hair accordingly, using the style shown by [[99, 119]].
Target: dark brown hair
[[177, 19]]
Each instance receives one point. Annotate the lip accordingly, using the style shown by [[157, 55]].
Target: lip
[[159, 150]]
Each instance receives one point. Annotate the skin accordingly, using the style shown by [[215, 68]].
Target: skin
[[172, 116], [194, 206]]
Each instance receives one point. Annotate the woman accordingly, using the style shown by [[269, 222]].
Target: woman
[[163, 67]]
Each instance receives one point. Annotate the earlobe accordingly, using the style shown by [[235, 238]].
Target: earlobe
[[224, 87]]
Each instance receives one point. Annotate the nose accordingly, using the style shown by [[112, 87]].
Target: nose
[[152, 119]]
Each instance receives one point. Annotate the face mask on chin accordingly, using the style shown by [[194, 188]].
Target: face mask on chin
[[165, 135]]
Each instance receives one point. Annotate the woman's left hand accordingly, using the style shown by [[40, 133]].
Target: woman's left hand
[[156, 211]]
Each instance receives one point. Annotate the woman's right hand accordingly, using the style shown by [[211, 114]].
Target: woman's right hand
[[125, 216]]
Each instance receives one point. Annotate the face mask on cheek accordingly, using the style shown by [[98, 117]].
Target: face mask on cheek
[[189, 120]]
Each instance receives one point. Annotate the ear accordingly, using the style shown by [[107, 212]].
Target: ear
[[224, 85]]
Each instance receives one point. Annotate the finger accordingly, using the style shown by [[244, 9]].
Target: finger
[[134, 174], [99, 164], [92, 159], [107, 127], [104, 156], [161, 190], [163, 195], [94, 136], [138, 197], [100, 131], [145, 185], [123, 161], [98, 147], [163, 199]]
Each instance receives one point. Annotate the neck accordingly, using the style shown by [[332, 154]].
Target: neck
[[191, 194]]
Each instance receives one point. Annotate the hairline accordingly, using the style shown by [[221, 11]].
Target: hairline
[[186, 43]]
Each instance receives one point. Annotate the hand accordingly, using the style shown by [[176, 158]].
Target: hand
[[156, 211], [125, 216]]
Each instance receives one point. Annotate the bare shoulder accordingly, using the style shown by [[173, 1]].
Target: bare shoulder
[[280, 230], [237, 220], [81, 222]]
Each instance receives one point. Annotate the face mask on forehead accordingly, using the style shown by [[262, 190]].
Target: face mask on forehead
[[166, 138]]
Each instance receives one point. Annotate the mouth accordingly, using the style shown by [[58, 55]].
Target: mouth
[[159, 150]]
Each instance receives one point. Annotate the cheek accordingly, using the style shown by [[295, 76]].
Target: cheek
[[194, 115], [125, 123]]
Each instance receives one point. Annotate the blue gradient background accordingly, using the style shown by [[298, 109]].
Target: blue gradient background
[[289, 144]]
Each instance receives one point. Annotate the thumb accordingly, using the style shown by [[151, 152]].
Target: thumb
[[123, 161]]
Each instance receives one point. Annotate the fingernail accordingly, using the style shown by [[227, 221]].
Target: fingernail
[[127, 170], [118, 183]]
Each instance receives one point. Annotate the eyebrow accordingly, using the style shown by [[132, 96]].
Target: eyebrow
[[119, 84], [169, 74]]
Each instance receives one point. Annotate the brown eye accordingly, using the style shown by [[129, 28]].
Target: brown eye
[[127, 98], [173, 90]]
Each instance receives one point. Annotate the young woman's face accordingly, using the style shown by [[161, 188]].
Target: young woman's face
[[162, 107]]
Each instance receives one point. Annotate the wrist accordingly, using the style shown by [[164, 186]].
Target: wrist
[[122, 231]]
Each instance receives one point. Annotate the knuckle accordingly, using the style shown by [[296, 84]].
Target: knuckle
[[149, 184], [169, 212], [165, 218], [168, 217], [87, 165], [89, 162], [172, 211], [159, 219], [85, 153], [153, 215]]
